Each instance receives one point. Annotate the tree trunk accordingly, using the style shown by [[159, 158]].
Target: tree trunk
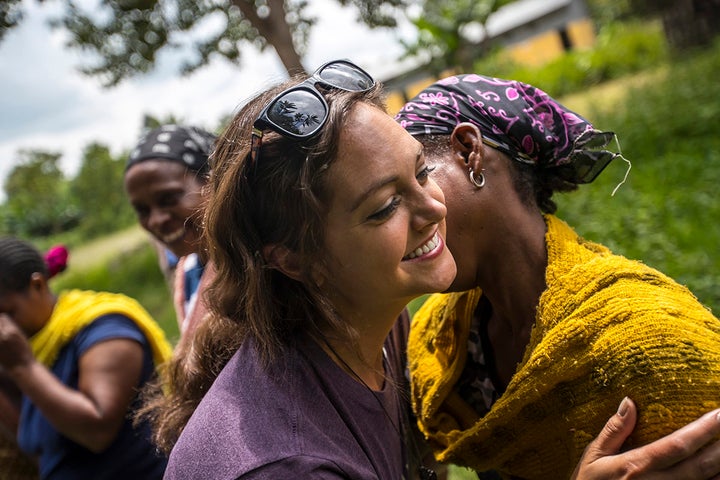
[[691, 23], [275, 30]]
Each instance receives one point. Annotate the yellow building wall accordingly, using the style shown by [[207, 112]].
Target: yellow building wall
[[395, 99], [548, 46], [537, 50], [582, 34]]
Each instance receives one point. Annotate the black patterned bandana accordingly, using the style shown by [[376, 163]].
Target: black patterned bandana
[[190, 146], [518, 119]]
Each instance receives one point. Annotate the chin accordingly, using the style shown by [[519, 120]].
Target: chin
[[460, 285], [443, 282]]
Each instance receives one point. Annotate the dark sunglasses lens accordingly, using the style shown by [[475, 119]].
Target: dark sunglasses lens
[[298, 112], [600, 161], [585, 169], [346, 76], [594, 139]]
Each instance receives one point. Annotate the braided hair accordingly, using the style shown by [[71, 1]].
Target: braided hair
[[18, 261]]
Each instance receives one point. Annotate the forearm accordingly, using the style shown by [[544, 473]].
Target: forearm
[[69, 411]]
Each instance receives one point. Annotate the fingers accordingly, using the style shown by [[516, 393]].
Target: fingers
[[705, 464], [690, 453], [599, 459], [617, 429], [681, 446]]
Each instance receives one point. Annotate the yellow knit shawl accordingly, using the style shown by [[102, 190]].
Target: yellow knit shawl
[[76, 309], [606, 327]]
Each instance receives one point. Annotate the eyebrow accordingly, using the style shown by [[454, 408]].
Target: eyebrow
[[378, 185]]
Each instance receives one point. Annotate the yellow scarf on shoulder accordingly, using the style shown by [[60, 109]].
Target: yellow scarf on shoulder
[[76, 309], [606, 327]]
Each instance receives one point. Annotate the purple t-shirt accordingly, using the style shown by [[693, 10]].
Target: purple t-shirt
[[305, 418]]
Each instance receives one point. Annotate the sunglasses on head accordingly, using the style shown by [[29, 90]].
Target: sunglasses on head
[[301, 111]]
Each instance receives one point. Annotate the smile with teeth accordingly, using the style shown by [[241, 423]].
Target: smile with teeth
[[173, 237], [422, 250]]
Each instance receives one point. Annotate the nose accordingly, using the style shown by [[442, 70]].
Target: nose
[[157, 217], [428, 206]]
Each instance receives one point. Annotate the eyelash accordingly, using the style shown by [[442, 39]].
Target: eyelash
[[424, 173], [387, 211]]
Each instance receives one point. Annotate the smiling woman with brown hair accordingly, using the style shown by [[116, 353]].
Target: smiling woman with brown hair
[[320, 236]]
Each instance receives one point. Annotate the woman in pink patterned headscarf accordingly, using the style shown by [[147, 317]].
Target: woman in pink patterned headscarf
[[545, 332]]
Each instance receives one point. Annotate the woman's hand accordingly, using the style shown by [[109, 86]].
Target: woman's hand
[[692, 452], [14, 346]]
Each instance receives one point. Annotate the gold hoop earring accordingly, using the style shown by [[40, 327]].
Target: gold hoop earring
[[479, 182]]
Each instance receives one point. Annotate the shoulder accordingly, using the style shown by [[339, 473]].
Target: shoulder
[[244, 398], [444, 314], [292, 466], [273, 423], [107, 327]]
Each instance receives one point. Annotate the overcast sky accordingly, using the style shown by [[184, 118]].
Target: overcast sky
[[46, 104]]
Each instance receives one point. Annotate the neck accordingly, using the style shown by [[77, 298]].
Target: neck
[[514, 278], [363, 359], [370, 374]]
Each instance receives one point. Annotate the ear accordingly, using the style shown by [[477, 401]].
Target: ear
[[467, 146], [282, 259], [38, 282], [39, 287]]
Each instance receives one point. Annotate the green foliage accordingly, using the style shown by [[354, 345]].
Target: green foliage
[[621, 49], [135, 273], [461, 473], [443, 32], [98, 191], [127, 36], [607, 11], [10, 15], [666, 213], [37, 201], [378, 13]]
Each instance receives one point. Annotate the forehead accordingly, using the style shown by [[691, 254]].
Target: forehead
[[158, 170], [156, 174], [372, 145]]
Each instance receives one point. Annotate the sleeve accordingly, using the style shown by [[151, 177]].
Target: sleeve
[[109, 327]]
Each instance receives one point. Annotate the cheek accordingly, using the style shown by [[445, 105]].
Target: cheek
[[370, 251], [191, 204], [459, 223]]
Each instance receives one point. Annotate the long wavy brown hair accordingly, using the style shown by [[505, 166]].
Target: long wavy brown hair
[[280, 199]]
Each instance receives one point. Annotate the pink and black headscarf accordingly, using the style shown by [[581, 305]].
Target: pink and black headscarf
[[517, 119]]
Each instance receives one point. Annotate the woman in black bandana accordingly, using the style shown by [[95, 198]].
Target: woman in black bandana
[[548, 332], [164, 180]]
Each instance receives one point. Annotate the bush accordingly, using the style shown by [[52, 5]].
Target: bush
[[133, 272], [621, 49], [666, 214]]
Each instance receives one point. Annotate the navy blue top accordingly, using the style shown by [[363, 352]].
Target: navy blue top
[[130, 456]]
